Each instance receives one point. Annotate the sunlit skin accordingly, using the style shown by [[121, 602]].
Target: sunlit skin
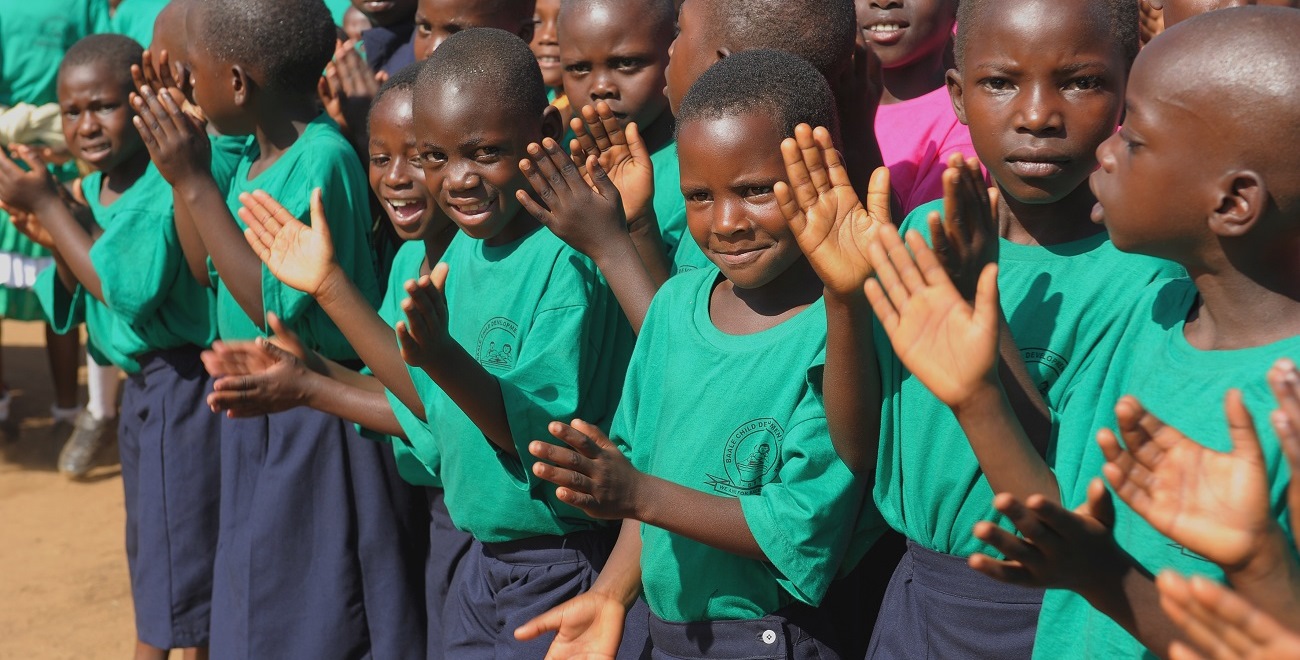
[[395, 174], [911, 38], [386, 12], [1177, 11], [97, 125], [692, 52], [616, 58], [470, 146], [546, 42], [1040, 90], [210, 82], [435, 20], [729, 167]]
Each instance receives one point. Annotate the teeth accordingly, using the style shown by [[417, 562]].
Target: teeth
[[470, 209], [400, 203], [888, 27]]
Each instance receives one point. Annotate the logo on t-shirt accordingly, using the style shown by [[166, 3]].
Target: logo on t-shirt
[[1045, 367], [750, 457], [498, 344]]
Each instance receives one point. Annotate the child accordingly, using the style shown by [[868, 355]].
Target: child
[[533, 334], [724, 573], [546, 46], [915, 125], [1187, 338], [436, 20], [300, 482], [147, 314], [1177, 11], [355, 24], [389, 45]]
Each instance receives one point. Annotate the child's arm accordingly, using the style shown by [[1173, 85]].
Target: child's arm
[[952, 347], [591, 625], [36, 192], [1221, 625], [346, 91], [180, 150], [833, 230], [590, 219], [303, 257], [599, 479]]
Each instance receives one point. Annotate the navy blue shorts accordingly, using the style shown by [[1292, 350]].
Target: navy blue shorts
[[447, 549], [937, 606], [322, 546], [171, 471], [788, 634]]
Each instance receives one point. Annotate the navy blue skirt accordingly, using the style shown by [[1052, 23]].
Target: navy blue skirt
[[322, 545], [792, 633], [447, 548], [171, 471]]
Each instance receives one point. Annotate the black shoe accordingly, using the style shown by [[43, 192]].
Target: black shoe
[[89, 438]]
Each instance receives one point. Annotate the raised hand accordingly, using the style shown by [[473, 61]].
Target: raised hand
[[29, 225], [296, 254], [423, 336], [623, 155], [585, 215], [1221, 625], [947, 343], [1060, 549], [26, 190], [592, 474], [587, 627], [156, 72], [347, 88], [178, 143], [1285, 382], [1215, 504], [966, 237], [830, 223]]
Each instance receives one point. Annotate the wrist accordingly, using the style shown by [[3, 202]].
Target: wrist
[[613, 250], [643, 222], [331, 287], [986, 395], [1104, 587], [1270, 564], [854, 303]]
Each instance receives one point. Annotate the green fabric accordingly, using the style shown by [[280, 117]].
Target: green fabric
[[765, 442], [1185, 387], [338, 8], [1064, 304], [321, 158], [151, 301], [535, 314], [33, 38], [135, 19], [670, 206]]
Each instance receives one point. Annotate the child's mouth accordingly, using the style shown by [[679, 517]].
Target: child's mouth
[[96, 151], [406, 213], [471, 213], [885, 34], [740, 257]]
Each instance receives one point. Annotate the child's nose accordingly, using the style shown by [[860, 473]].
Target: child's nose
[[729, 218], [1039, 112], [604, 88]]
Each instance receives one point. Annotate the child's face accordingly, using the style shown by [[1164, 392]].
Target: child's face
[[900, 32], [212, 82], [395, 174], [609, 57], [435, 20], [470, 147], [385, 12], [728, 169], [546, 42], [691, 53], [1041, 88], [97, 116]]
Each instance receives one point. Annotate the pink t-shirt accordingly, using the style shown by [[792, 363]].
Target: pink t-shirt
[[916, 138]]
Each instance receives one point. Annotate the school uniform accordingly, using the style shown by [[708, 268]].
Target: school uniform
[[313, 554], [153, 321], [1185, 387], [1064, 305], [740, 416], [135, 19], [537, 316]]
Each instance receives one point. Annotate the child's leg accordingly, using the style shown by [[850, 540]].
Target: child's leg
[[448, 547], [96, 426], [103, 384], [64, 353]]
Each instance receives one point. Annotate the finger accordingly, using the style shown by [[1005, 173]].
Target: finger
[[578, 440], [546, 167], [256, 237], [1029, 522], [596, 435], [409, 347], [927, 263], [635, 145], [600, 179], [548, 621], [796, 172], [32, 157], [905, 263], [163, 71], [878, 252], [789, 206], [811, 153], [1002, 571], [879, 192], [284, 334], [1011, 546], [277, 217], [256, 214], [563, 477], [595, 128], [417, 320], [582, 136], [543, 190], [564, 164], [987, 306], [1241, 429], [613, 129], [881, 305], [836, 170]]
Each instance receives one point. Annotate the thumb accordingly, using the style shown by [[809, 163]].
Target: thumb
[[282, 332], [600, 179], [1100, 505], [1241, 428], [439, 276], [878, 196], [548, 621], [318, 220], [986, 297]]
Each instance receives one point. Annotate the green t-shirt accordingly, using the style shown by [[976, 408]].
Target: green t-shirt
[[537, 316], [684, 254], [135, 19], [1064, 304], [338, 8], [1185, 388], [151, 301], [321, 158], [765, 443], [33, 38]]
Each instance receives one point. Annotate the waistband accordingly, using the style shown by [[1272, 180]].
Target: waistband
[[590, 545], [179, 358], [772, 636], [952, 575]]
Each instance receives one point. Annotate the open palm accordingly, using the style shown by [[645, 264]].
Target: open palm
[[588, 627], [621, 152], [296, 254]]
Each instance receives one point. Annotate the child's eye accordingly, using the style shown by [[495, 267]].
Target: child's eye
[[996, 84], [578, 69], [626, 64], [487, 154], [106, 109], [758, 191], [378, 161], [430, 158], [1085, 83], [424, 28], [696, 196]]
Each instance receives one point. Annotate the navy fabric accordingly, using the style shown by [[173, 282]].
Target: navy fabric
[[791, 633], [322, 545], [938, 607], [447, 549], [501, 586], [389, 49], [170, 447], [636, 633]]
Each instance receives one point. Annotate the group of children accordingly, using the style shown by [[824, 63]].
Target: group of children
[[654, 339]]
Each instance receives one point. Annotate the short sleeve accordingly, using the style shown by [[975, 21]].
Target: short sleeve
[[65, 310], [137, 267]]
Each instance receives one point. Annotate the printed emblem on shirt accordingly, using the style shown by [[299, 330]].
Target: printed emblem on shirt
[[1045, 367], [498, 344], [685, 268], [749, 458]]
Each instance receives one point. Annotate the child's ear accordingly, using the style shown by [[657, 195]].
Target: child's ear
[[241, 85], [553, 124], [953, 80], [1243, 198], [723, 53]]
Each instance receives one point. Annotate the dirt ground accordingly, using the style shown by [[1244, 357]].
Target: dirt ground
[[64, 591]]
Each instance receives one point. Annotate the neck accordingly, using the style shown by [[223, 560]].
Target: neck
[[914, 80], [435, 246], [660, 131], [796, 288], [122, 177], [520, 226], [281, 120], [1069, 219], [1248, 298]]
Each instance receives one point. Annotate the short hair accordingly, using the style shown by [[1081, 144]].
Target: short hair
[[771, 82], [489, 61], [820, 31], [661, 15], [403, 81], [115, 51], [287, 42], [1121, 19]]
